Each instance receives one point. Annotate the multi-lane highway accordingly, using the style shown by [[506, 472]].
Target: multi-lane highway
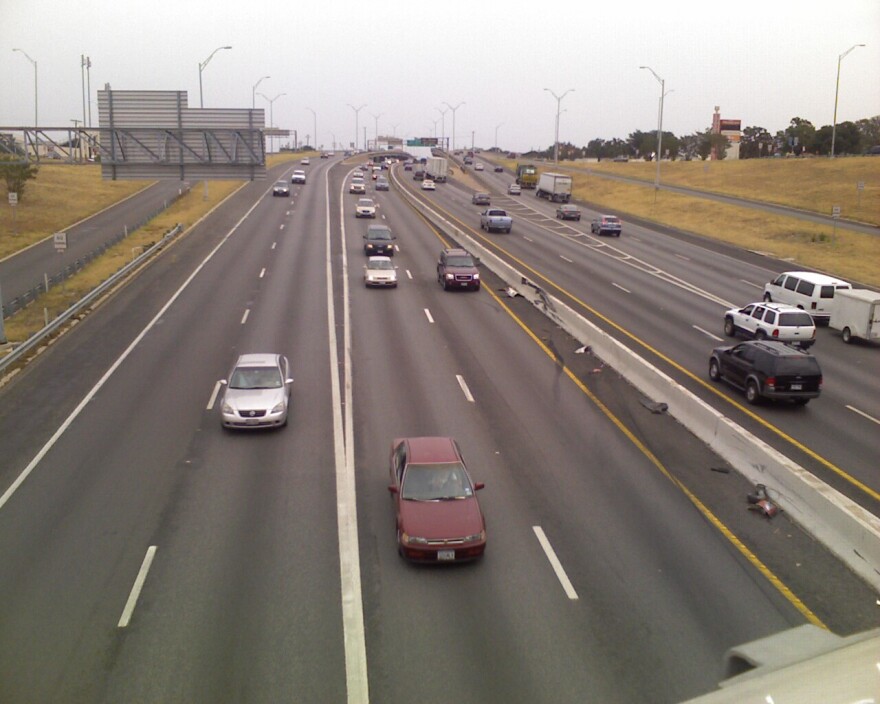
[[148, 555]]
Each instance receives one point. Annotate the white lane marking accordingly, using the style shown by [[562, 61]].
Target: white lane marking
[[862, 413], [244, 318], [262, 272], [707, 333], [287, 213], [354, 639], [50, 443], [681, 256], [528, 239], [555, 563], [464, 387], [214, 396], [570, 261], [749, 283], [408, 273], [396, 248], [428, 316], [626, 290], [281, 226], [136, 587], [273, 245]]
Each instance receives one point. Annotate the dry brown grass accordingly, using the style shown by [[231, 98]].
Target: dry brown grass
[[850, 255], [187, 210]]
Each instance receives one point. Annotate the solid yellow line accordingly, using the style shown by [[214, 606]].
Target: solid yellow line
[[772, 428], [701, 507]]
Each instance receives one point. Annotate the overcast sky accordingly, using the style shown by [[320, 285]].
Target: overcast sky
[[761, 62]]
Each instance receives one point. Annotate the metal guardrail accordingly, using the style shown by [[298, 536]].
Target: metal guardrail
[[34, 340]]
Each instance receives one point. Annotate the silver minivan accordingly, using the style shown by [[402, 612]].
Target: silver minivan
[[807, 290]]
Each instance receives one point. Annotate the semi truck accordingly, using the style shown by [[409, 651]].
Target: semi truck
[[555, 187], [856, 313], [436, 169], [527, 175]]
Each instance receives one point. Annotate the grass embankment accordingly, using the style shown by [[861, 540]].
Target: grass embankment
[[796, 182], [62, 195]]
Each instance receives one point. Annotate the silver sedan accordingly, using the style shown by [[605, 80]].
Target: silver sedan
[[257, 393]]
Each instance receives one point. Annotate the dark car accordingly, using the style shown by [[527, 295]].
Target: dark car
[[480, 199], [499, 169], [568, 212], [457, 269], [438, 515], [606, 225], [378, 241], [407, 167], [280, 189], [419, 175], [771, 370], [382, 184]]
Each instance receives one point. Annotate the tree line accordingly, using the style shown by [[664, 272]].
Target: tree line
[[799, 138]]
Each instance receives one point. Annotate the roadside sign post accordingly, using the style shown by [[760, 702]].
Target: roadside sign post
[[860, 186], [60, 240], [835, 215], [13, 201]]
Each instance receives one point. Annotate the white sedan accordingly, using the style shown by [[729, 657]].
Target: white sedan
[[365, 208], [380, 271], [304, 161], [428, 185]]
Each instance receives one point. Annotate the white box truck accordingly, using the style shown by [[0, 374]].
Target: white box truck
[[436, 169], [856, 313], [556, 187]]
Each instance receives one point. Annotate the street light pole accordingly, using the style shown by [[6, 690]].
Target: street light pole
[[496, 135], [83, 61], [254, 92], [659, 128], [356, 130], [836, 91], [202, 68], [315, 124], [558, 112], [442, 127], [36, 115], [271, 106], [376, 142], [453, 120]]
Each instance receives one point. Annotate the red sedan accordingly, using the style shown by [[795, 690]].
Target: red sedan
[[438, 514]]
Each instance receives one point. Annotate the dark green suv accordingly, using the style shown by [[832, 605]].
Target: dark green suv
[[771, 370]]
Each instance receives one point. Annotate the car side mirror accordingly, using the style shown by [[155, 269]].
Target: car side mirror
[[223, 382], [479, 485], [288, 381], [392, 488]]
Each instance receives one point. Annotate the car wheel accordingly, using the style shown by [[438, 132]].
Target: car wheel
[[760, 334], [753, 395], [846, 333], [729, 327], [714, 371], [767, 298]]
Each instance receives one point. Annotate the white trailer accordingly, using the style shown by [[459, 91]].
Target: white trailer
[[437, 168], [556, 187], [856, 313]]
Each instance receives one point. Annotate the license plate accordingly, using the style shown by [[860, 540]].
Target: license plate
[[252, 421], [446, 555], [797, 387]]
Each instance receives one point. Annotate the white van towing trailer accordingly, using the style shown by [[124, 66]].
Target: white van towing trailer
[[437, 168], [556, 187], [856, 313]]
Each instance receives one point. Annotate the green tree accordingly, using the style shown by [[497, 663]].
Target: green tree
[[755, 143], [847, 140], [799, 136], [17, 174], [869, 128]]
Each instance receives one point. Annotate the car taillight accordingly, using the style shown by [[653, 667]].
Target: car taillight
[[770, 382], [820, 382], [775, 333]]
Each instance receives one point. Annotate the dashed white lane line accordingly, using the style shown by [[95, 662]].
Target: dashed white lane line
[[262, 272], [464, 388], [570, 261], [245, 316], [137, 587], [213, 396], [681, 256], [528, 239], [408, 274], [428, 316], [749, 283], [273, 245], [625, 290], [281, 226], [863, 414], [555, 563], [707, 333]]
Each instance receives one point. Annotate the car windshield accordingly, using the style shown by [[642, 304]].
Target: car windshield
[[460, 260], [365, 203], [378, 234], [255, 378], [280, 184], [380, 264], [435, 482]]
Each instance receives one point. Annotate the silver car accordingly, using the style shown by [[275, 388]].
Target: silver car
[[257, 393], [380, 271]]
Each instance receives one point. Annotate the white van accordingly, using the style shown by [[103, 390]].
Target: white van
[[812, 292]]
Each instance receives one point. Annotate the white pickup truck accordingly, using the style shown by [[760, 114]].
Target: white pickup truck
[[495, 219]]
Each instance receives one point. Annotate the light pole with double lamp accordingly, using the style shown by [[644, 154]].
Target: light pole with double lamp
[[558, 113], [356, 130], [453, 120], [659, 128], [36, 116]]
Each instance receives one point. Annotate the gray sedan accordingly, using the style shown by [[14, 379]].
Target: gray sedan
[[257, 394]]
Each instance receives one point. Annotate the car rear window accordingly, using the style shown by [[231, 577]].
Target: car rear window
[[612, 221], [797, 364], [826, 292], [795, 318]]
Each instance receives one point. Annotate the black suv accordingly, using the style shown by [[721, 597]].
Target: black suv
[[378, 241], [766, 369], [457, 269]]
